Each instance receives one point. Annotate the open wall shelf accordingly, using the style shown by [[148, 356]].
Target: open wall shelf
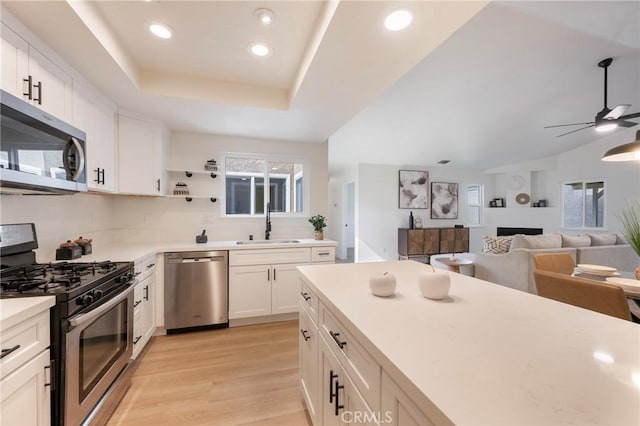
[[189, 173], [190, 198]]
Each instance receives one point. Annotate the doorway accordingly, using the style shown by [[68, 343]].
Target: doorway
[[348, 222]]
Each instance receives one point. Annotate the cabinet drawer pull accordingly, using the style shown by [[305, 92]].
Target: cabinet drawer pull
[[331, 378], [304, 334], [6, 352], [146, 292], [336, 338], [137, 303], [151, 265], [338, 407], [324, 253], [137, 340], [305, 296]]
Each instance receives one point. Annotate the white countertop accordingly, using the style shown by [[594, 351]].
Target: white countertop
[[14, 311], [128, 252], [489, 354]]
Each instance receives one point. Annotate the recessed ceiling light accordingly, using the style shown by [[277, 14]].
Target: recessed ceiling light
[[260, 49], [265, 16], [398, 20], [160, 30]]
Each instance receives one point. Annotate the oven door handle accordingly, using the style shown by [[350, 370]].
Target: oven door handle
[[90, 316]]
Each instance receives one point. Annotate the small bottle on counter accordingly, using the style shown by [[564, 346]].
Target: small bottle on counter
[[410, 220]]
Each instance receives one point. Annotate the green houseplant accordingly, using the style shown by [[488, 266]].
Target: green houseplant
[[630, 218], [318, 221]]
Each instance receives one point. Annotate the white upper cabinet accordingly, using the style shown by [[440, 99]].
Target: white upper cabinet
[[30, 75], [96, 116], [141, 147]]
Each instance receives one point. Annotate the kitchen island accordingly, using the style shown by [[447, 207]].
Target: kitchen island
[[486, 354]]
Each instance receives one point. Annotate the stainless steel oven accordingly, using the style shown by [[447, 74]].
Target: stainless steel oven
[[98, 348], [39, 153]]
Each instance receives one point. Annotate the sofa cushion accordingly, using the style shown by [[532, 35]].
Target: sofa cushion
[[576, 240], [496, 245], [544, 241], [603, 239]]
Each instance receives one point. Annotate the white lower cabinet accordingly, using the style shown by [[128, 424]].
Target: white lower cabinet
[[340, 381], [25, 373], [397, 408], [259, 290], [144, 305], [341, 403], [25, 394], [308, 357]]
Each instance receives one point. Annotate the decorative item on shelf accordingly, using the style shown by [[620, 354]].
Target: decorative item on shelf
[[68, 250], [536, 204], [493, 203], [417, 223], [411, 221], [211, 165], [181, 189], [630, 218], [84, 244], [499, 202], [318, 221], [542, 203]]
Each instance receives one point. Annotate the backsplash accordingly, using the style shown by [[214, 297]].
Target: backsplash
[[59, 218]]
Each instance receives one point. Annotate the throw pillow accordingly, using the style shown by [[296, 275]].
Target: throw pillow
[[603, 239], [575, 240], [496, 245], [544, 241]]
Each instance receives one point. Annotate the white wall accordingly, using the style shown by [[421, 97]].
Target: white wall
[[622, 179], [173, 219], [378, 216], [59, 218]]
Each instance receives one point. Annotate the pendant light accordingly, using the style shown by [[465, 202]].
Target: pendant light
[[626, 152]]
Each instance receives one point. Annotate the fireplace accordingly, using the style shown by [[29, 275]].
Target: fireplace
[[503, 232]]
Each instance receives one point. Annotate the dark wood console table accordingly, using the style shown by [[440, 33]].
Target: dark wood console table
[[428, 241]]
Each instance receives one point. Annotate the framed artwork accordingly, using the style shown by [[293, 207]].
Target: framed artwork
[[444, 200], [413, 190]]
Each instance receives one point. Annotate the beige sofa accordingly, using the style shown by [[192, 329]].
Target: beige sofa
[[515, 268]]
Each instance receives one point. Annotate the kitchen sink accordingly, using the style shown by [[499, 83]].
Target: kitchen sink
[[242, 242]]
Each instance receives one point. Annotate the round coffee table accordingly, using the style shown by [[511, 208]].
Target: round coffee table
[[455, 263]]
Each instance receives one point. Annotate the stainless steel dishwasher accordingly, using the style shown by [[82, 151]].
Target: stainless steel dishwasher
[[196, 290]]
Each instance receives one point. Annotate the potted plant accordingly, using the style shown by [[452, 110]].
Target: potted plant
[[318, 221], [630, 218]]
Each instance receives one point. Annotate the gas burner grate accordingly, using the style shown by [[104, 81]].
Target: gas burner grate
[[21, 284]]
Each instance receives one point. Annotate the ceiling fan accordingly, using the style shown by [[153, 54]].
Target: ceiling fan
[[607, 119]]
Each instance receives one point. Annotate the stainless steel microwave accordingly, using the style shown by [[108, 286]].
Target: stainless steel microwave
[[39, 153]]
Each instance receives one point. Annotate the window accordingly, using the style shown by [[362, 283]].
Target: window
[[252, 182], [474, 204], [583, 204]]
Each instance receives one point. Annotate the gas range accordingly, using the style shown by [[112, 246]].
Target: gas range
[[91, 323], [76, 286]]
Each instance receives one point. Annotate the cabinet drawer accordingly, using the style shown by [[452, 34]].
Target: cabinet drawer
[[145, 267], [29, 338], [269, 256], [309, 301], [323, 254], [359, 365]]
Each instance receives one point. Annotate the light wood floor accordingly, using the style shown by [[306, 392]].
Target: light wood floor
[[236, 376]]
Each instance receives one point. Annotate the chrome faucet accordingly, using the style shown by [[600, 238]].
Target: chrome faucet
[[267, 229]]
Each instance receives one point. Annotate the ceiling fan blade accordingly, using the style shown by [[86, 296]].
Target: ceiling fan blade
[[623, 123], [625, 117], [617, 111], [564, 125], [573, 131]]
